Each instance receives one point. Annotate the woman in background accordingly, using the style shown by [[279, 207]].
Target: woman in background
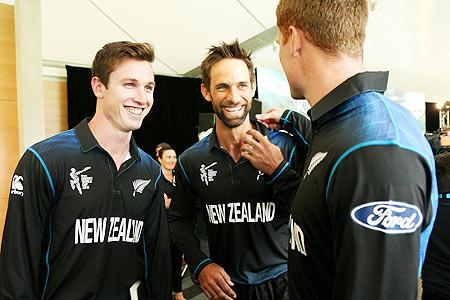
[[168, 159]]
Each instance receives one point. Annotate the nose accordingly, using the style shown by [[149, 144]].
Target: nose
[[234, 94]]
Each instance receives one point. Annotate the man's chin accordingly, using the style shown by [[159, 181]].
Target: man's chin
[[233, 123]]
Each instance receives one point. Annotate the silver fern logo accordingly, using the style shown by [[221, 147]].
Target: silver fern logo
[[315, 160], [139, 185]]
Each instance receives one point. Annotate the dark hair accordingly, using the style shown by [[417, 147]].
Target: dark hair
[[443, 172], [164, 148], [112, 54], [217, 53]]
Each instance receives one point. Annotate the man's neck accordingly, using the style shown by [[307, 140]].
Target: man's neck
[[229, 139], [326, 74], [114, 141]]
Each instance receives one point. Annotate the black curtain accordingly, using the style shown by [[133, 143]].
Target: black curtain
[[431, 117], [81, 100], [173, 118]]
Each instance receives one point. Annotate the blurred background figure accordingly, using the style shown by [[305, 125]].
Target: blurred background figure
[[167, 157], [436, 270], [159, 146]]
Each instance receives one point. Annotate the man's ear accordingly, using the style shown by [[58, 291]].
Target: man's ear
[[296, 40], [97, 87], [205, 92]]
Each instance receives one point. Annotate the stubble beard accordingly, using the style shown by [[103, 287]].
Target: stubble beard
[[234, 122]]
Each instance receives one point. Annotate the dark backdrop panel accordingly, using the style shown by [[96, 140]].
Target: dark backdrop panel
[[173, 118], [81, 101], [431, 117], [174, 115]]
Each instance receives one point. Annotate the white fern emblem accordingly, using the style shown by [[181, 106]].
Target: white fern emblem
[[315, 160], [139, 185]]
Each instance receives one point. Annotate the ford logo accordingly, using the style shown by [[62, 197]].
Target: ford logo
[[388, 216]]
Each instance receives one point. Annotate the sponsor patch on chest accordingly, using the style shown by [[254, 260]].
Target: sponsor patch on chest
[[390, 217]]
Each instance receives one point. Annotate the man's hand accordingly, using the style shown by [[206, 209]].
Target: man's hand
[[216, 283], [271, 118], [261, 153]]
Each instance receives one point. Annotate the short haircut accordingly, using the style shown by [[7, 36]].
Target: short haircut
[[164, 148], [217, 53], [335, 26], [443, 172], [111, 55], [160, 146]]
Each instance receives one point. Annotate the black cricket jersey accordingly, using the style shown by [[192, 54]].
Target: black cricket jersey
[[364, 209], [246, 212], [167, 186], [78, 228], [436, 270]]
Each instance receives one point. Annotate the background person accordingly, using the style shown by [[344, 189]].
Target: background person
[[436, 270], [159, 146], [168, 159]]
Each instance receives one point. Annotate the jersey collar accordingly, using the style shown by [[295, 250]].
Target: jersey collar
[[357, 84], [88, 141], [214, 143]]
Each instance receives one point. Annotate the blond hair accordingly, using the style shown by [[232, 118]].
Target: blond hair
[[332, 25]]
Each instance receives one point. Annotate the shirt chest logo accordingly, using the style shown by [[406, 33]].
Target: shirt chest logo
[[207, 173], [80, 181], [139, 185], [390, 217], [315, 160]]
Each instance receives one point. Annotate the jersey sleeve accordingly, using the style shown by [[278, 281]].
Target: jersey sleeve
[[182, 220], [157, 248], [26, 232], [286, 179], [298, 125], [378, 199]]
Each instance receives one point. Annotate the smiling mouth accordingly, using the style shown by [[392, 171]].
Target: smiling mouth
[[234, 109], [134, 110]]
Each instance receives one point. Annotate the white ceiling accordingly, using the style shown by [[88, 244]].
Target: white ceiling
[[410, 38]]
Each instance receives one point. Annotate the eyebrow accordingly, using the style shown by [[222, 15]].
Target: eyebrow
[[135, 81], [223, 84]]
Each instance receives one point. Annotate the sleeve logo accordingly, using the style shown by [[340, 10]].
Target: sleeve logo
[[17, 186], [390, 217]]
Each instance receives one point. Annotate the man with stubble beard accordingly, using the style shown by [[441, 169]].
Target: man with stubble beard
[[246, 211]]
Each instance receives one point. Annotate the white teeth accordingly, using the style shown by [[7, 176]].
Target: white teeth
[[234, 109], [134, 110]]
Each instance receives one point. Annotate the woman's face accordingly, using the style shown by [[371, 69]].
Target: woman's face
[[168, 159]]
